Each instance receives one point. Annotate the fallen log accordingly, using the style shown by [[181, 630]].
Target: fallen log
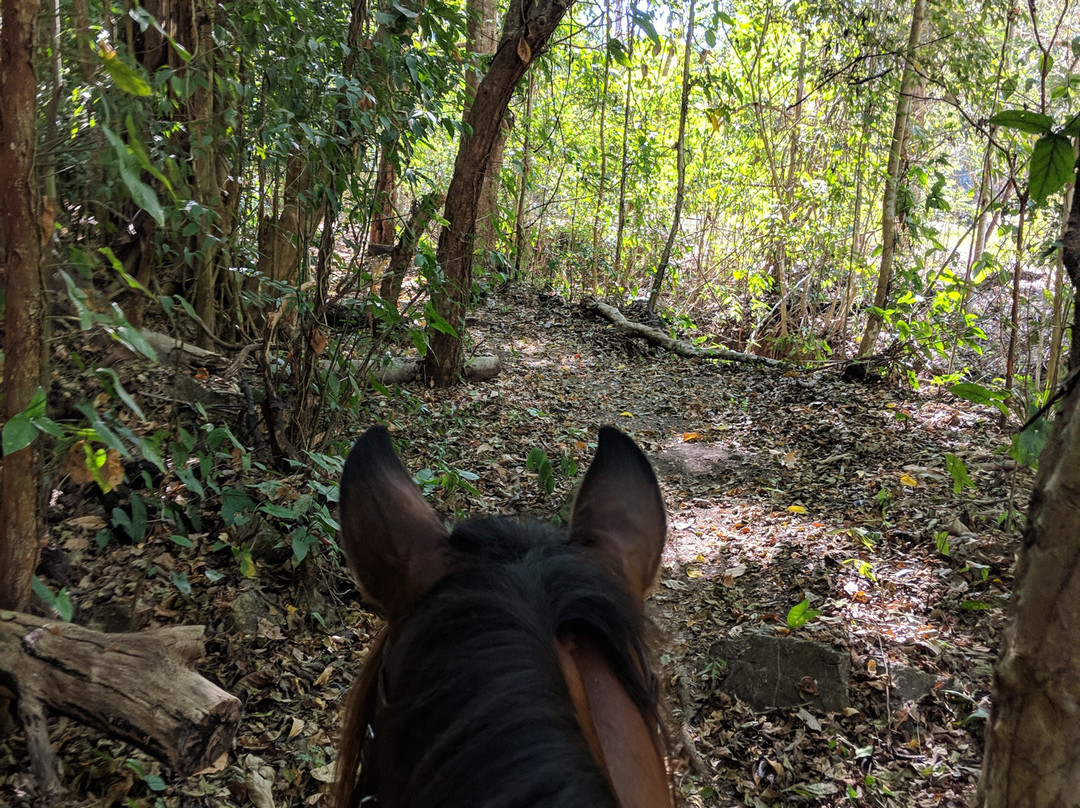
[[680, 347], [138, 687], [400, 371]]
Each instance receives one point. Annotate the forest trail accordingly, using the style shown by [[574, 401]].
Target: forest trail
[[779, 486]]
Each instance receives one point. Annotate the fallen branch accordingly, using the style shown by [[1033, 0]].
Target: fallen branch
[[400, 371], [658, 337], [138, 687]]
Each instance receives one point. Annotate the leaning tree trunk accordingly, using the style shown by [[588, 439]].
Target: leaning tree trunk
[[526, 32], [1033, 737], [24, 317], [892, 181]]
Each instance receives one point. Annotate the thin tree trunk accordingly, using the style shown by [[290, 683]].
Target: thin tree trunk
[[601, 181], [24, 318], [680, 162], [624, 165], [482, 38], [1014, 313], [1057, 330], [892, 181], [520, 236]]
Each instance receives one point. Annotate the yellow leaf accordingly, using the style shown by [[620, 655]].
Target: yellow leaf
[[796, 509], [700, 558], [908, 480], [690, 436], [693, 572], [890, 406], [626, 414]]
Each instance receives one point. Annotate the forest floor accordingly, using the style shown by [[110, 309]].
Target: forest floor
[[780, 486]]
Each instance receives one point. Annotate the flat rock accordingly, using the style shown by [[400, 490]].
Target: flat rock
[[770, 672]]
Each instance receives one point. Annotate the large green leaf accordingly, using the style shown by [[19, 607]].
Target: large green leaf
[[1024, 120], [1052, 162], [124, 75], [141, 193]]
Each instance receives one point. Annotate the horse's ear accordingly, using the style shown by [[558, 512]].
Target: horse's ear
[[394, 541], [619, 511]]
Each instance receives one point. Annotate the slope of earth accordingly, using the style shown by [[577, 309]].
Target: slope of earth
[[782, 488]]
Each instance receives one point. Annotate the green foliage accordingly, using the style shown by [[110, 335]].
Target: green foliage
[[58, 601], [979, 394], [23, 428], [539, 462], [941, 542], [958, 472], [800, 614], [1026, 446]]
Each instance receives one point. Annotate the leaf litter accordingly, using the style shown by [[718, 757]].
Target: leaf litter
[[782, 490]]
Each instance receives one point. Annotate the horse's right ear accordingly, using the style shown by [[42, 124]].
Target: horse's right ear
[[394, 541], [619, 512]]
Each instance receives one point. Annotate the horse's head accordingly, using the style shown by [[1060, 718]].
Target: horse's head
[[513, 670]]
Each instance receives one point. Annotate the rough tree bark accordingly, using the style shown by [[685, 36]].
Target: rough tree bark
[[1033, 737], [24, 318], [527, 29], [892, 181], [139, 687]]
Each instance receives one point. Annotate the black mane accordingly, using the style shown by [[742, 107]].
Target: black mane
[[471, 705]]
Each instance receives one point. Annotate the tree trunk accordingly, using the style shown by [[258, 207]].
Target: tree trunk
[[591, 286], [527, 30], [1014, 313], [1057, 330], [680, 162], [24, 318], [624, 162], [1033, 736], [482, 36], [520, 234], [892, 181]]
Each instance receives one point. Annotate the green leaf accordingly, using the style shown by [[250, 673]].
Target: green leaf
[[181, 582], [139, 153], [247, 565], [1028, 445], [111, 382], [800, 614], [643, 20], [213, 576], [183, 541], [977, 394], [974, 606], [233, 502], [1052, 162], [19, 431], [58, 601], [1072, 128], [1024, 120], [958, 472], [436, 321], [141, 193], [124, 75]]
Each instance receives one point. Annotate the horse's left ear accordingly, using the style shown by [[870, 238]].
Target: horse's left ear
[[619, 511], [394, 541]]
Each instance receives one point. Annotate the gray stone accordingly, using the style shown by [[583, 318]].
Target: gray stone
[[246, 610], [911, 684], [773, 672]]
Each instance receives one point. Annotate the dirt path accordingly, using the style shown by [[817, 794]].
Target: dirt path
[[779, 487]]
